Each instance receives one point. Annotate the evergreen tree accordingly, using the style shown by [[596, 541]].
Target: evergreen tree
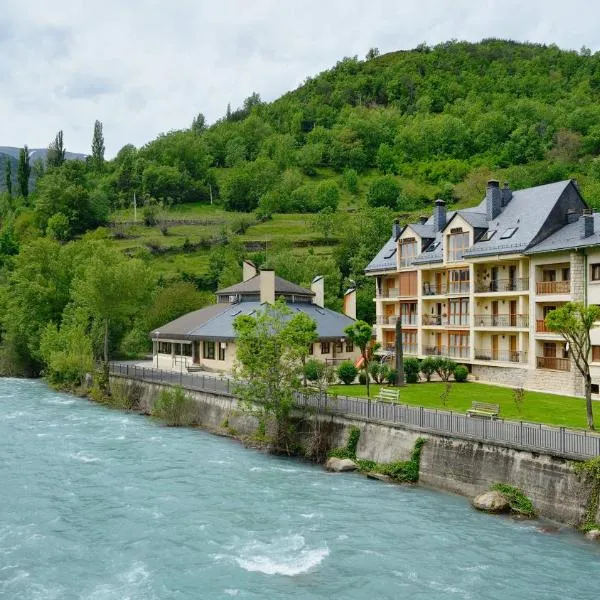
[[23, 172], [98, 147], [228, 112], [56, 151], [199, 123], [8, 176]]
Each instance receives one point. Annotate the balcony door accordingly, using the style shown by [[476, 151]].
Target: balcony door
[[513, 313], [512, 278], [494, 347], [494, 280], [514, 354], [495, 313]]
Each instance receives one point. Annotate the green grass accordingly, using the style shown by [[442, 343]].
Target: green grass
[[537, 406]]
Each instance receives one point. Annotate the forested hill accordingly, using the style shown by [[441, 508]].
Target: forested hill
[[307, 184]]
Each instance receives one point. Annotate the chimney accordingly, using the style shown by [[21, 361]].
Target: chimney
[[493, 199], [587, 223], [249, 270], [267, 287], [350, 303], [423, 220], [439, 215], [318, 287], [396, 229], [506, 194], [572, 215]]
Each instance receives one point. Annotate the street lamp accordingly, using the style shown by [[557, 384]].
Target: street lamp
[[156, 334]]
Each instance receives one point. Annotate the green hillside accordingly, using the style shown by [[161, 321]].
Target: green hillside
[[310, 183]]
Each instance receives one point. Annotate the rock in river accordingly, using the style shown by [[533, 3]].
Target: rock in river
[[493, 502], [593, 534], [339, 465]]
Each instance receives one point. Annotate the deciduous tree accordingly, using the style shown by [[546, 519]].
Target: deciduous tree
[[56, 151], [361, 334], [98, 147], [23, 172]]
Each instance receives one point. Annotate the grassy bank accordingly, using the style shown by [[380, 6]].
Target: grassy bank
[[538, 407]]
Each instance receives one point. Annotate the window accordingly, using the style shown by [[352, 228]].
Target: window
[[222, 351], [325, 347], [488, 235], [432, 247], [595, 353], [209, 350], [339, 347], [508, 233], [457, 244], [596, 272], [566, 274], [595, 388], [458, 281], [164, 347], [186, 349], [459, 312], [408, 251], [458, 345], [349, 346], [548, 275], [390, 254]]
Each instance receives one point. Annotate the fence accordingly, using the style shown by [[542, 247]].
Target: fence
[[535, 437]]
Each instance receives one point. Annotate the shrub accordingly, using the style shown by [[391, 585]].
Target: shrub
[[313, 369], [175, 408], [378, 372], [150, 214], [391, 377], [347, 372], [362, 378], [461, 373], [411, 370], [518, 501], [445, 368], [429, 367]]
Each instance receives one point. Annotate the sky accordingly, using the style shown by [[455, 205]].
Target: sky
[[143, 67]]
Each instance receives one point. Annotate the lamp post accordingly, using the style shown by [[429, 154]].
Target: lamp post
[[156, 334]]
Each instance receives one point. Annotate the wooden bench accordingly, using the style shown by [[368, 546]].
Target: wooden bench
[[388, 395], [483, 409]]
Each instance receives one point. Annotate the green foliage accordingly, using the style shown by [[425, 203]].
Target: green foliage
[[347, 372], [360, 334], [97, 158], [519, 502], [24, 172], [313, 369], [362, 378], [391, 376], [428, 367], [445, 368], [56, 152], [379, 372], [461, 373], [412, 367], [400, 471], [349, 451], [58, 227], [175, 408], [384, 192], [590, 469], [518, 395]]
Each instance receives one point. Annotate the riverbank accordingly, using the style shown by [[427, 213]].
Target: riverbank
[[452, 464]]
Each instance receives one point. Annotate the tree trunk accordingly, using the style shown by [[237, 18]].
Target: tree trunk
[[588, 400], [366, 367], [399, 354]]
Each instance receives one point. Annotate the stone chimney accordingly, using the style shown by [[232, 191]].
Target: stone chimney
[[572, 215], [506, 194], [267, 287], [317, 286], [249, 270], [493, 199], [396, 229], [587, 223], [350, 303], [439, 215]]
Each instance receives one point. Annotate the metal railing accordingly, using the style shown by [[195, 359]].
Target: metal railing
[[459, 287], [389, 293], [513, 356], [534, 437], [553, 287], [407, 320], [448, 351], [517, 284], [510, 320], [406, 348], [432, 289], [554, 363]]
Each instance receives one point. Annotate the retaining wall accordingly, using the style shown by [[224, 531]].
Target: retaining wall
[[460, 466]]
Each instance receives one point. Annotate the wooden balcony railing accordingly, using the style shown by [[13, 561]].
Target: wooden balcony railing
[[553, 287], [512, 356], [510, 320], [519, 284], [541, 327], [554, 363]]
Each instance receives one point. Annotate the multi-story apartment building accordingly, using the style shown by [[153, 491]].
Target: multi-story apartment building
[[476, 284]]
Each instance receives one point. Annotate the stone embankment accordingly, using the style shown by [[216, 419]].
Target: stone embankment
[[459, 466]]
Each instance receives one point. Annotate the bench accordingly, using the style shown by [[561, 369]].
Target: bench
[[388, 395], [193, 368], [483, 409]]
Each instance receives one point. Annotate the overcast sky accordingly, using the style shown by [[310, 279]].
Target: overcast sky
[[147, 66]]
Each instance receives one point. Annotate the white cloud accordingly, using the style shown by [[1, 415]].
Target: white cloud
[[146, 66]]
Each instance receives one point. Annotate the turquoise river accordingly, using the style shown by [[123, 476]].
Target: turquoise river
[[101, 505]]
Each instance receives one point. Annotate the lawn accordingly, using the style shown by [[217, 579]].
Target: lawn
[[537, 406]]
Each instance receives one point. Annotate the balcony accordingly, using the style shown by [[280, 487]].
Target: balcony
[[554, 363], [459, 287], [431, 289], [514, 320], [447, 351], [445, 321], [389, 293], [512, 356], [435, 320], [553, 287], [520, 284], [407, 320], [406, 348], [541, 327]]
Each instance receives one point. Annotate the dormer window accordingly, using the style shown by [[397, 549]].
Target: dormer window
[[457, 245], [508, 233], [408, 251]]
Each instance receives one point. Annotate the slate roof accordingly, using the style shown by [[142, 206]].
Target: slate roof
[[385, 258], [568, 238], [252, 286], [219, 324], [424, 230]]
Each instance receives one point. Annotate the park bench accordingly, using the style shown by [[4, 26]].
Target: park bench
[[388, 395], [193, 368], [483, 409]]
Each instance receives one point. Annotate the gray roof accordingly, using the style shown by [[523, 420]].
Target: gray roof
[[527, 211], [219, 326], [568, 238], [252, 286], [424, 230], [474, 219], [385, 258]]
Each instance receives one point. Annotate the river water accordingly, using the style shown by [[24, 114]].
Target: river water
[[101, 505]]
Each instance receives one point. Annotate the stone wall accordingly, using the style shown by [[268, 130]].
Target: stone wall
[[460, 466], [503, 375]]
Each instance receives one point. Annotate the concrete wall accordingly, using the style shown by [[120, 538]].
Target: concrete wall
[[460, 466]]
